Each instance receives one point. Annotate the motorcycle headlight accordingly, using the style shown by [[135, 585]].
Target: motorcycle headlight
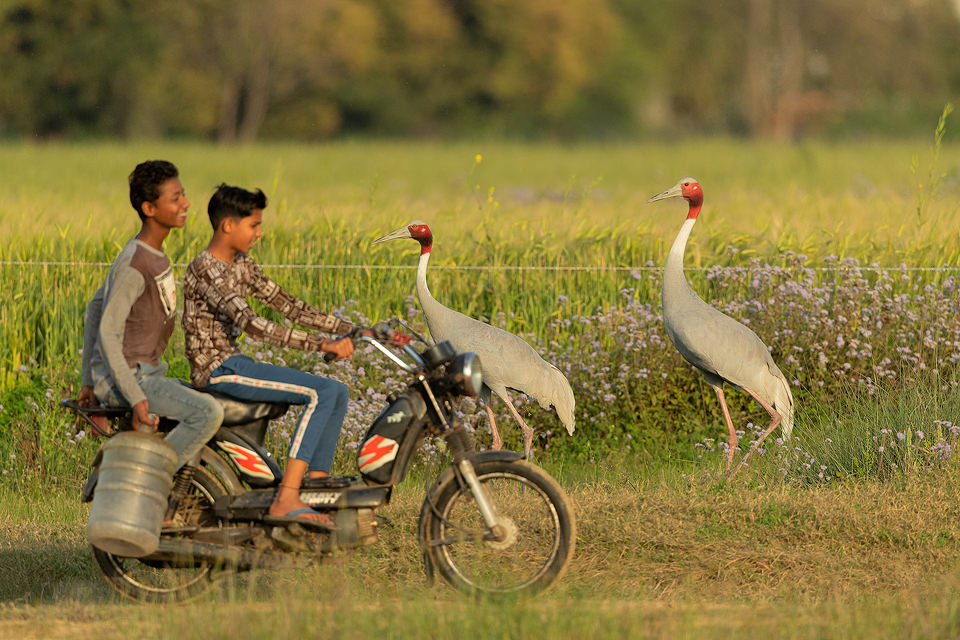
[[467, 373]]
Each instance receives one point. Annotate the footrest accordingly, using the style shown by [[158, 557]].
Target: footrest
[[103, 420], [328, 482]]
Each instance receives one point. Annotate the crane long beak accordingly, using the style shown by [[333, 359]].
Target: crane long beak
[[673, 192], [402, 232]]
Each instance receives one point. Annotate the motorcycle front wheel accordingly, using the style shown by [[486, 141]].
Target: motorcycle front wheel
[[148, 580], [534, 548]]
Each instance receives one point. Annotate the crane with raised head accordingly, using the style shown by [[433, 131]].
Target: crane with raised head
[[508, 361], [723, 349]]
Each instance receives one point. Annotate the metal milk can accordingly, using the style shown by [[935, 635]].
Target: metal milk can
[[130, 499]]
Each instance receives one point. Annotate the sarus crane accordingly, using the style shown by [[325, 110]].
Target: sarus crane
[[723, 349], [508, 361]]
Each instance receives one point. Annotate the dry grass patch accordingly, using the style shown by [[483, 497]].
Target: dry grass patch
[[660, 554]]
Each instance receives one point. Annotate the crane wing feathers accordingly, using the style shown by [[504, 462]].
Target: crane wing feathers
[[508, 361], [717, 344]]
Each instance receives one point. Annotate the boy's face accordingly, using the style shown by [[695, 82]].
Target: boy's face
[[170, 209], [242, 233]]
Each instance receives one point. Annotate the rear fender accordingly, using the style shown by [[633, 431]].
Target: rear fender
[[86, 494], [208, 458], [224, 473]]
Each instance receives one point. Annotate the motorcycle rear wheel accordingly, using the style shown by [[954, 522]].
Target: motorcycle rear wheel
[[538, 541], [162, 582]]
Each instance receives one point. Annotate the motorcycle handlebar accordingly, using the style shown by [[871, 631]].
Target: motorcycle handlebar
[[384, 331]]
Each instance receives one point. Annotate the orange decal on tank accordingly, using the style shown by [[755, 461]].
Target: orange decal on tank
[[376, 452]]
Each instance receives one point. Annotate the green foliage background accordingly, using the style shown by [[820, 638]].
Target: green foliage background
[[497, 209], [608, 69]]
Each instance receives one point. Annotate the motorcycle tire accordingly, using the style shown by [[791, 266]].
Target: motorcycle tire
[[533, 552]]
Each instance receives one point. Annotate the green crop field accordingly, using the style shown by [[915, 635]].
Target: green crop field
[[490, 205], [843, 258]]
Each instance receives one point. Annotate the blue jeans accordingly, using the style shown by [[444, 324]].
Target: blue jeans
[[199, 414], [315, 439]]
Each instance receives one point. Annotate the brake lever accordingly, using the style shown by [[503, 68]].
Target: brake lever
[[388, 329], [413, 333]]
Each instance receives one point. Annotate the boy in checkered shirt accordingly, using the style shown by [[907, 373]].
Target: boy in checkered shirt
[[216, 287]]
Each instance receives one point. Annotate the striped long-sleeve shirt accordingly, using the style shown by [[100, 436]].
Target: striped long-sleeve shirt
[[216, 313]]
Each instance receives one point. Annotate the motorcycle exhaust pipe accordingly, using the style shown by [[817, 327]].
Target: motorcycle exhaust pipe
[[182, 552]]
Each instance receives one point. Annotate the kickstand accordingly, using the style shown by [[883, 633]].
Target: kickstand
[[428, 569]]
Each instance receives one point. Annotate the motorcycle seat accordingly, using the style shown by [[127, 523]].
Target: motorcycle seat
[[240, 412], [235, 412]]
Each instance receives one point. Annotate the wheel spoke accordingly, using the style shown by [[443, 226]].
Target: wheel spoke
[[526, 547], [158, 578]]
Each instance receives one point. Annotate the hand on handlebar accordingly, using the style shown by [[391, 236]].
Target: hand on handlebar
[[338, 349], [382, 331]]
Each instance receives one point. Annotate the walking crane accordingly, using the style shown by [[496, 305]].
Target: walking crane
[[508, 361], [723, 349]]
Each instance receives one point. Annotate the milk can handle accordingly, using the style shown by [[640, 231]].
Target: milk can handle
[[144, 427]]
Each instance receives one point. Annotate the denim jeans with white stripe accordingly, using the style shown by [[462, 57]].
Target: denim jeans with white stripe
[[314, 439]]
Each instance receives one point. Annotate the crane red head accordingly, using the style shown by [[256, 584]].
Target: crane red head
[[688, 189], [416, 230]]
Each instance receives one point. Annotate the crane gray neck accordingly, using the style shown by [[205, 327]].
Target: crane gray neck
[[673, 270], [431, 308], [422, 275]]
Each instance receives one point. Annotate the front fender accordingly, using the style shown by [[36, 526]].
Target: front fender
[[476, 458], [495, 456]]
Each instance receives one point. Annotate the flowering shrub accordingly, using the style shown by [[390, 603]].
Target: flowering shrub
[[848, 332], [859, 329]]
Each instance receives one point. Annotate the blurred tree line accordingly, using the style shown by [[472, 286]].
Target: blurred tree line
[[314, 69]]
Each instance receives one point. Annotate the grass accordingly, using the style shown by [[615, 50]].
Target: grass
[[521, 205], [665, 549], [662, 552], [543, 205], [573, 205]]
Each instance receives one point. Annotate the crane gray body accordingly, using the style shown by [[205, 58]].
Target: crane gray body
[[723, 349], [507, 361], [719, 346]]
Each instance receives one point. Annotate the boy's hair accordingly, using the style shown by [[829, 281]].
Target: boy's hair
[[146, 180], [233, 202]]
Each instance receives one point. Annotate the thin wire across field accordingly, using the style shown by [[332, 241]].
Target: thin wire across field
[[409, 267]]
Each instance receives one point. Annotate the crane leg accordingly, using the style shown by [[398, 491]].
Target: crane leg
[[733, 432], [527, 431], [497, 442], [775, 418]]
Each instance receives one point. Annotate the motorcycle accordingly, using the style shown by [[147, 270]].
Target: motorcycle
[[491, 524]]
